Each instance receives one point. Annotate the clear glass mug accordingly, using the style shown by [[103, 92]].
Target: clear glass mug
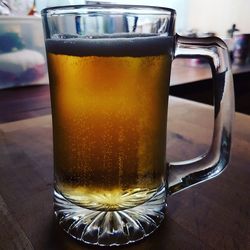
[[109, 69]]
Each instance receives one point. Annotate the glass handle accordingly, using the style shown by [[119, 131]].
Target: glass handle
[[187, 173]]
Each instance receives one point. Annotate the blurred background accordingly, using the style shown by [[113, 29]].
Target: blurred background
[[23, 57]]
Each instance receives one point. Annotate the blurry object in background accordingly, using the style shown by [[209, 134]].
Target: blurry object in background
[[22, 66], [196, 33], [230, 44], [231, 31], [241, 52], [4, 8], [19, 7], [207, 34], [190, 33], [33, 11], [9, 42], [22, 52]]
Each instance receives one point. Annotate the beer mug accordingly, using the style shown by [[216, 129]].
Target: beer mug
[[109, 70]]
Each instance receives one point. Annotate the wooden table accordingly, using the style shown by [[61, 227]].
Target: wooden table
[[186, 71], [192, 80], [213, 215]]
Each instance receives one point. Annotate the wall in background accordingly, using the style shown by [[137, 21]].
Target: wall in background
[[218, 15]]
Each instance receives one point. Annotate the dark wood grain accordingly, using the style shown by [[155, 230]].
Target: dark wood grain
[[12, 235], [24, 102], [213, 215]]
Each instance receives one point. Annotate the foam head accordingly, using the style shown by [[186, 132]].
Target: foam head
[[111, 45]]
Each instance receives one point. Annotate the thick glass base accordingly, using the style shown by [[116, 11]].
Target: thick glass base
[[109, 228]]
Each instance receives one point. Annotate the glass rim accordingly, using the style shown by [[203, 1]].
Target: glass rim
[[106, 7]]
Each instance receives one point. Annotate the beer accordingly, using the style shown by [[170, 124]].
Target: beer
[[109, 104]]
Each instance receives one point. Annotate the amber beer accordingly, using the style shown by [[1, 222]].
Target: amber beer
[[109, 104]]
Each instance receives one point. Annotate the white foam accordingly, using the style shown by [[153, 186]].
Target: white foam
[[111, 46]]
